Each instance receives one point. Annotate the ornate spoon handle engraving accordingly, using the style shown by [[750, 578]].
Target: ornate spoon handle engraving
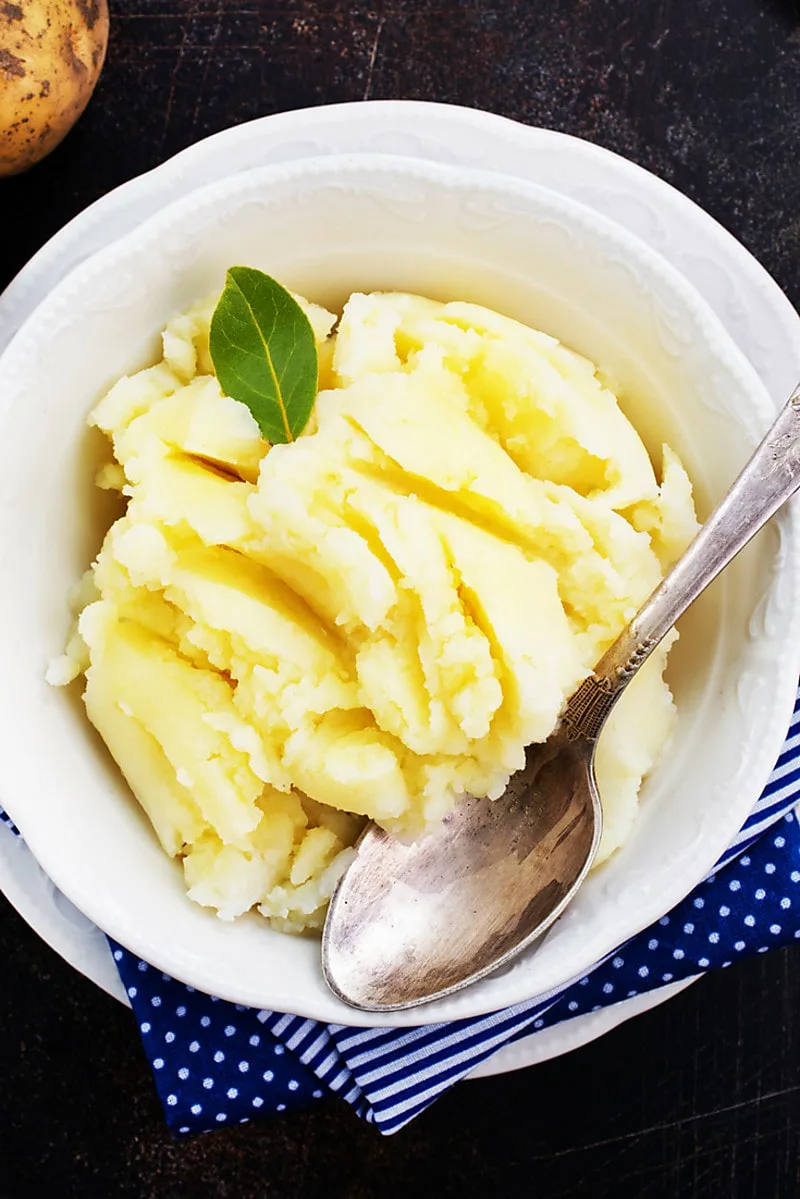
[[770, 477]]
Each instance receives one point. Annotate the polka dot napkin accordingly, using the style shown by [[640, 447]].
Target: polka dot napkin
[[217, 1063]]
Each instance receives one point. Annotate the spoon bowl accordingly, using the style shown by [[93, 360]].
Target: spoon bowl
[[422, 920]]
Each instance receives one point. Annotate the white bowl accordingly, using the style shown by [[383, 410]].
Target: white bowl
[[326, 227]]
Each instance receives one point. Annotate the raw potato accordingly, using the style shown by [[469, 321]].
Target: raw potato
[[51, 55]]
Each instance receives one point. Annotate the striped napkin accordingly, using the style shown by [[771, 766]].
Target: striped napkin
[[217, 1063]]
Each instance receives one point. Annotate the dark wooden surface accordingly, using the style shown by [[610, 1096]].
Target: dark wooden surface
[[698, 1098]]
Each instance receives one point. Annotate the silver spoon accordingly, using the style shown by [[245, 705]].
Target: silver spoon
[[408, 924]]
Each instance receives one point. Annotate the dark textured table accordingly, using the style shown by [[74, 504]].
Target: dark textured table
[[700, 1097]]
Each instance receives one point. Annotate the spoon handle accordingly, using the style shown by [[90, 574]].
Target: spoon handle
[[769, 479]]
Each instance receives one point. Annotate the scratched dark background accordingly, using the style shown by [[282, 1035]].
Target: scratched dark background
[[698, 1098]]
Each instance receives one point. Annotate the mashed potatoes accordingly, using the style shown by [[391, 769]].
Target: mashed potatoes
[[377, 617]]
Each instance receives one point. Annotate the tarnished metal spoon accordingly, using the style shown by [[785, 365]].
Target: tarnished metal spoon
[[410, 923]]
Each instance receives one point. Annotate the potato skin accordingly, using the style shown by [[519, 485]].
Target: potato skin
[[51, 55]]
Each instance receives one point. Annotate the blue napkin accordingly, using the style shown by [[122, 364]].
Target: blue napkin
[[217, 1063]]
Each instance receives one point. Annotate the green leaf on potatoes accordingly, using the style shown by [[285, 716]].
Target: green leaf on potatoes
[[264, 352]]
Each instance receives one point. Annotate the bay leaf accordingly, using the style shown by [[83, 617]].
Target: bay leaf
[[264, 352]]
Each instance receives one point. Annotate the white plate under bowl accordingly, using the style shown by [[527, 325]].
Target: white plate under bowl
[[401, 224], [747, 300]]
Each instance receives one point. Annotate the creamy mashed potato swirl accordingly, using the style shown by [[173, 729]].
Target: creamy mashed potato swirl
[[279, 642]]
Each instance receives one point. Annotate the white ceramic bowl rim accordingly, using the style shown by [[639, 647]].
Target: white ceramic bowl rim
[[783, 679]]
